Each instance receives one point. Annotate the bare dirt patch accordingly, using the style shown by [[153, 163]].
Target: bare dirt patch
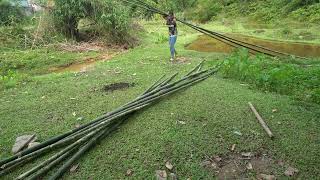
[[181, 60], [240, 166], [117, 86], [87, 65]]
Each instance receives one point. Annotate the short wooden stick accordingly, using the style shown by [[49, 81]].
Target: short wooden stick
[[261, 121]]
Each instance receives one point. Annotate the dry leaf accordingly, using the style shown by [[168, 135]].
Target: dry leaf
[[249, 166], [129, 172], [247, 154], [237, 133], [169, 165], [291, 171], [274, 110], [74, 114], [161, 175], [74, 168], [182, 122]]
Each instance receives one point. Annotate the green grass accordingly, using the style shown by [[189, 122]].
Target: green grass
[[284, 30], [18, 66], [275, 75], [212, 110]]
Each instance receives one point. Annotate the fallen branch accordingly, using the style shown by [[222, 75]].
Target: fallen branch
[[261, 121]]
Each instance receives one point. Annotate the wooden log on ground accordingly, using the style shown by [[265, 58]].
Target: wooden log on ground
[[261, 121]]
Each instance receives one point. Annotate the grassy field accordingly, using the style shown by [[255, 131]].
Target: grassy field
[[215, 112]]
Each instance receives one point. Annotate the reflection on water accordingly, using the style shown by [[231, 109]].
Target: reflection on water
[[207, 44]]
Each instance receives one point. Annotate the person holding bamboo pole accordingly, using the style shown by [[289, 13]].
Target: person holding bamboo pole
[[173, 33]]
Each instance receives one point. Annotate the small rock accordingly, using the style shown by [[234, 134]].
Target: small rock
[[129, 172], [274, 110], [265, 177], [74, 168], [161, 175], [291, 171], [22, 142], [182, 122], [169, 165], [77, 125], [32, 144], [249, 166]]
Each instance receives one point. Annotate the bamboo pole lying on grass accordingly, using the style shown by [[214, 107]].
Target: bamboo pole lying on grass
[[261, 121], [78, 141]]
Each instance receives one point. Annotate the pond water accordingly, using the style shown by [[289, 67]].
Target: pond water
[[207, 44]]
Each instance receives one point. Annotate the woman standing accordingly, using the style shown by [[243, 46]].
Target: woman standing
[[173, 33]]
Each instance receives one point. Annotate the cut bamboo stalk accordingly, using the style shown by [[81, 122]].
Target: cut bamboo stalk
[[64, 156], [80, 152], [156, 92], [261, 121]]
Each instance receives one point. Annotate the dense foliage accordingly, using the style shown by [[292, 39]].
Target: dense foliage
[[10, 14], [265, 10], [275, 76], [108, 17]]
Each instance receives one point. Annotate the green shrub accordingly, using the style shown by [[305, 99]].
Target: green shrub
[[272, 75], [309, 14], [10, 79], [110, 18], [9, 14], [204, 11]]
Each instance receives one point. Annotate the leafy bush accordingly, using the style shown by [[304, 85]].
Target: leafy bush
[[204, 11], [271, 75], [309, 13], [109, 18], [9, 14], [10, 79]]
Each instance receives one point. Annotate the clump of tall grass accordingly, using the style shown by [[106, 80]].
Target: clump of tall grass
[[270, 74]]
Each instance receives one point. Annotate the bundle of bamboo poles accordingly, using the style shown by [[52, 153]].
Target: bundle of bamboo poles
[[75, 143]]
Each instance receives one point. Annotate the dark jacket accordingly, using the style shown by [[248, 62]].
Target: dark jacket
[[172, 25]]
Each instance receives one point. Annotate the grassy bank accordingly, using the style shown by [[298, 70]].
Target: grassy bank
[[215, 113], [284, 30]]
